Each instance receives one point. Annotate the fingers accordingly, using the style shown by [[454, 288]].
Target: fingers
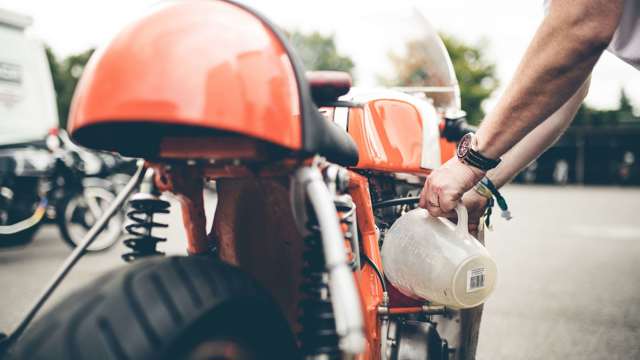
[[434, 210], [448, 202], [429, 199], [438, 197], [445, 201]]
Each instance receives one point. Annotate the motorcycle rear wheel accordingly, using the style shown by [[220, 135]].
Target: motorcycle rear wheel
[[163, 308]]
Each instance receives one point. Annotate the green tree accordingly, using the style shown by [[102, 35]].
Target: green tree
[[319, 52], [66, 74], [476, 75]]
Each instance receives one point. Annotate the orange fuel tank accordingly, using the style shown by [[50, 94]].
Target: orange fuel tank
[[192, 67], [395, 132]]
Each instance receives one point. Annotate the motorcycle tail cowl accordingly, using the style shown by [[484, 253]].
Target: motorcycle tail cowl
[[209, 72]]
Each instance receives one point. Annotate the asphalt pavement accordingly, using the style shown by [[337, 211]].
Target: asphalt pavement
[[568, 286], [569, 276]]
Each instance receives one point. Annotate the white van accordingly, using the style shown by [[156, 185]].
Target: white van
[[27, 97]]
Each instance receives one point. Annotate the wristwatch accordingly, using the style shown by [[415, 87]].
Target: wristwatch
[[468, 154]]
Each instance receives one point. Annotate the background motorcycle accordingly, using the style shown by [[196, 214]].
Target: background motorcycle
[[22, 168], [59, 182]]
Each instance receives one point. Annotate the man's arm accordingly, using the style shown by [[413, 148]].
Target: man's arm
[[559, 60], [538, 140], [524, 152]]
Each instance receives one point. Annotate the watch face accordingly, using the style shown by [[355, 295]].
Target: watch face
[[463, 146]]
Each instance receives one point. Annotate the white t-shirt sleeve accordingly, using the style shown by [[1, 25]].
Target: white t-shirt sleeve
[[626, 40], [545, 6]]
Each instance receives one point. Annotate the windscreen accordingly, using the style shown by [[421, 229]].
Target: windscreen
[[381, 43]]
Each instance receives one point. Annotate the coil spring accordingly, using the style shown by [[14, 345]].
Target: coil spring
[[318, 337], [143, 243]]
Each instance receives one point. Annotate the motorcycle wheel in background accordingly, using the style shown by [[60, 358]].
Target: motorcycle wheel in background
[[77, 213], [20, 238], [15, 206]]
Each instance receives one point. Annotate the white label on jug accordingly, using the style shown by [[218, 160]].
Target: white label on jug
[[475, 279]]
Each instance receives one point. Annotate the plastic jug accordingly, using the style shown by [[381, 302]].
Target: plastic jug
[[432, 258]]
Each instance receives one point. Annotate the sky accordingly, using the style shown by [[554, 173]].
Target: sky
[[503, 28]]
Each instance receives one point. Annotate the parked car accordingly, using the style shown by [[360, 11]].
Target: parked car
[[59, 182]]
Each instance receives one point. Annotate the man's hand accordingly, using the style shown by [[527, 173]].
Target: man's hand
[[446, 185], [476, 205]]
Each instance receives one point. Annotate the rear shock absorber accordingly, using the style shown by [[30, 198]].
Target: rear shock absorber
[[144, 206], [318, 338], [330, 327]]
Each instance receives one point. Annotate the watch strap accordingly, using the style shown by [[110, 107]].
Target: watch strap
[[474, 158]]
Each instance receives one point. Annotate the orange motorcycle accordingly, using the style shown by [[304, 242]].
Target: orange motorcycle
[[309, 175]]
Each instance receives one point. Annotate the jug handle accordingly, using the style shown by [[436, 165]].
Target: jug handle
[[463, 220]]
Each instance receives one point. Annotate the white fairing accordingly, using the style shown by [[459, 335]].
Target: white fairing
[[430, 136], [27, 98]]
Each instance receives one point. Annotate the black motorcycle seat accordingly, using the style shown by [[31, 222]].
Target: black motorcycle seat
[[333, 142], [328, 86], [321, 135]]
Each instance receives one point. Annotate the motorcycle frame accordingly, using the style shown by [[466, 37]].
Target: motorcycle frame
[[185, 180]]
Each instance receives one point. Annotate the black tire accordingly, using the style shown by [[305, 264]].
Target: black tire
[[18, 239], [162, 308], [21, 206]]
